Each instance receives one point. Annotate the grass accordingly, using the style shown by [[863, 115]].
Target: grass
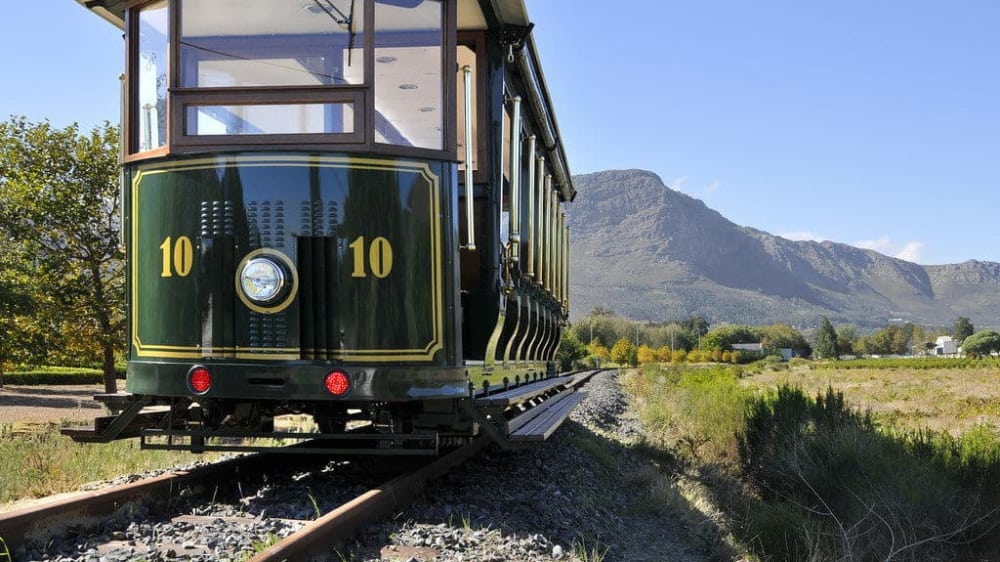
[[803, 471], [903, 398], [695, 411], [43, 462], [54, 375]]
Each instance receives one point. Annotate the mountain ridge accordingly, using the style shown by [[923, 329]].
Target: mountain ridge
[[653, 253]]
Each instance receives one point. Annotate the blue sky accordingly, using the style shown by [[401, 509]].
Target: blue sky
[[875, 124]]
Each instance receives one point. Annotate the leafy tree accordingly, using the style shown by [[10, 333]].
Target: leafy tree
[[863, 345], [605, 327], [601, 311], [596, 349], [60, 203], [963, 328], [621, 351], [697, 325], [571, 349], [981, 343], [724, 337], [645, 354], [883, 342], [783, 336], [846, 336], [826, 340], [672, 335]]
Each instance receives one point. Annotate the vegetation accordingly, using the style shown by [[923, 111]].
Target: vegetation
[[59, 375], [962, 329], [803, 476], [38, 461], [826, 341], [62, 279], [982, 343], [914, 363]]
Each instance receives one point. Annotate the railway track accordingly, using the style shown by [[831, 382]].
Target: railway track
[[123, 522]]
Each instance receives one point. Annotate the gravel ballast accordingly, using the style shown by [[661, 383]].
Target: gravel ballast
[[583, 495]]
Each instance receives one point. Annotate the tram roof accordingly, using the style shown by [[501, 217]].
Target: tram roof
[[509, 12]]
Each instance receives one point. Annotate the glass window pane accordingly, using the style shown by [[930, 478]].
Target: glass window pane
[[240, 43], [150, 111], [276, 119], [408, 73]]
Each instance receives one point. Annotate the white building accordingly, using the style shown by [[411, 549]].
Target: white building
[[945, 346]]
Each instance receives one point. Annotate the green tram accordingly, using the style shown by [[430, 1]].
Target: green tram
[[350, 209]]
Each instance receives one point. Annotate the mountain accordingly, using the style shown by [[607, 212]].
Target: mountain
[[652, 253]]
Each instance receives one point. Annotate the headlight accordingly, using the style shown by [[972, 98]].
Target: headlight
[[262, 280]]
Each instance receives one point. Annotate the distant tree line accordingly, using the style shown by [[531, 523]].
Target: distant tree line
[[602, 336]]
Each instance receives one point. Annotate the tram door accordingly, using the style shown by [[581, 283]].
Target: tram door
[[474, 253]]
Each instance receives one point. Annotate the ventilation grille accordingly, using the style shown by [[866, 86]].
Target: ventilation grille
[[319, 318]]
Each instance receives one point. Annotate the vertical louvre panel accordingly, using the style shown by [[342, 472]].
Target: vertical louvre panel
[[318, 274]]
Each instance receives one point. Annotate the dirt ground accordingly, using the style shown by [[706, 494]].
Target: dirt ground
[[39, 404]]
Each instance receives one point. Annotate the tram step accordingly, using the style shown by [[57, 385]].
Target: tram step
[[521, 393], [544, 423], [99, 432]]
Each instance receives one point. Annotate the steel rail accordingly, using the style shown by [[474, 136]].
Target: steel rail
[[315, 540], [89, 509]]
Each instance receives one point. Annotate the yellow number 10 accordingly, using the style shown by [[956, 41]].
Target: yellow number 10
[[180, 255], [379, 257]]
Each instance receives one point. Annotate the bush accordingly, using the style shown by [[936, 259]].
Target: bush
[[698, 409], [842, 490], [58, 376], [920, 363]]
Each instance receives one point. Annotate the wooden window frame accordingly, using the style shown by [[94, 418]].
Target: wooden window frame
[[184, 98], [361, 95]]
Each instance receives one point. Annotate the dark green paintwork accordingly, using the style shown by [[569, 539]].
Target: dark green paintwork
[[310, 209]]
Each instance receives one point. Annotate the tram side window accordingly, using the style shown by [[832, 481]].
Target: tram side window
[[409, 58], [151, 85]]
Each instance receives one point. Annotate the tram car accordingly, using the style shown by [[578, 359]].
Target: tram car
[[346, 209]]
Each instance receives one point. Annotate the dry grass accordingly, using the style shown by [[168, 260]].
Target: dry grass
[[950, 400], [37, 461]]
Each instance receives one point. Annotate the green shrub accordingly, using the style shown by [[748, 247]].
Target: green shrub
[[700, 410], [920, 363], [58, 375], [845, 491]]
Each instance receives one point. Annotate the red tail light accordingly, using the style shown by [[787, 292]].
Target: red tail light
[[337, 383], [200, 380]]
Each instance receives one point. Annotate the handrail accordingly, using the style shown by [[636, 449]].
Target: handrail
[[530, 192], [470, 219], [515, 180]]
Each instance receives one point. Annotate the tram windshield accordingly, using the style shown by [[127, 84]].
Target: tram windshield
[[240, 43], [290, 67]]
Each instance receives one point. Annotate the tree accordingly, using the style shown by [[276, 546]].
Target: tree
[[697, 325], [783, 336], [596, 349], [826, 340], [963, 328], [846, 336], [60, 192], [622, 351], [645, 354], [981, 343], [724, 337], [21, 341], [570, 351]]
